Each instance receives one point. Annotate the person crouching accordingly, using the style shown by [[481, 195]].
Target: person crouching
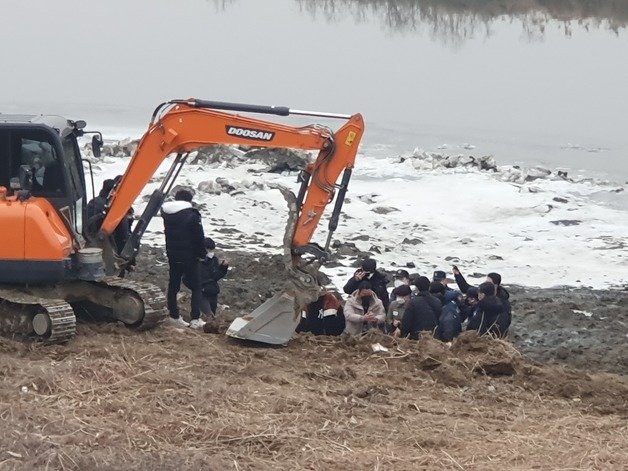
[[363, 310]]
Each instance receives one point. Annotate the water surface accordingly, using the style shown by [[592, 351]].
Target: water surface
[[528, 86]]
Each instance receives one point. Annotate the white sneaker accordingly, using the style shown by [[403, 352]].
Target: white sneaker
[[178, 322], [197, 324]]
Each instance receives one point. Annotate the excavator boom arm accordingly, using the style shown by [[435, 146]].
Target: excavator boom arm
[[189, 125]]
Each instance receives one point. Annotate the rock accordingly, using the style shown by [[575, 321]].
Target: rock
[[333, 264], [361, 237], [466, 160], [182, 187], [229, 156], [369, 199], [567, 222], [210, 187], [222, 181], [347, 248], [560, 200], [123, 148], [227, 230], [487, 162], [536, 173], [410, 265], [279, 160], [384, 210], [451, 161], [415, 241]]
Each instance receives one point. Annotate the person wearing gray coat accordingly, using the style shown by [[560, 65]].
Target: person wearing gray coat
[[363, 310]]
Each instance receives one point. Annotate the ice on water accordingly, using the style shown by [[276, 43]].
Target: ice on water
[[543, 232]]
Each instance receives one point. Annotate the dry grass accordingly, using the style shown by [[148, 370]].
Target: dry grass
[[171, 399]]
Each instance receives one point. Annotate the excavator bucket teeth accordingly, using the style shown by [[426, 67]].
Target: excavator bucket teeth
[[273, 322]]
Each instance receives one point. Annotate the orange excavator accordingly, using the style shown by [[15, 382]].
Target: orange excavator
[[51, 266]]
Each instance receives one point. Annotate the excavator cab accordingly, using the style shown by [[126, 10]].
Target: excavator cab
[[40, 155], [46, 272], [40, 164]]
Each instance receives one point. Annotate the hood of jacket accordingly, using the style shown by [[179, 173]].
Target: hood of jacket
[[172, 207]]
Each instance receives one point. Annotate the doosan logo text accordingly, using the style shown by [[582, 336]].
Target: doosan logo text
[[246, 133]]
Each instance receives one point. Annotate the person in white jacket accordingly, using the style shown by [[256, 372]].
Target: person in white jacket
[[363, 310]]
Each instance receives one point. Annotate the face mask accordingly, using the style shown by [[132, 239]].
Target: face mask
[[210, 254], [399, 283]]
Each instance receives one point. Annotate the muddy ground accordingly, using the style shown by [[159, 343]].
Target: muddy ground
[[178, 399], [174, 398], [581, 327]]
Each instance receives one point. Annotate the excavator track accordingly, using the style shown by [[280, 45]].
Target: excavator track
[[152, 297], [49, 320], [47, 312]]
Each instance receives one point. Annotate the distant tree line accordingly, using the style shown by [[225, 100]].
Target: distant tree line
[[460, 19]]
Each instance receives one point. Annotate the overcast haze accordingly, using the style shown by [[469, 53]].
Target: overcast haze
[[112, 62]]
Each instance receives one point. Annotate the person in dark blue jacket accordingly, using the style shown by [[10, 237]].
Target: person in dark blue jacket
[[500, 292], [211, 270], [449, 323]]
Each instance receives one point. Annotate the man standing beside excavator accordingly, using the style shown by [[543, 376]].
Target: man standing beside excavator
[[185, 247]]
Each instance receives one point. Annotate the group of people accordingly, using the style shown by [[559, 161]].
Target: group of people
[[416, 304], [191, 257]]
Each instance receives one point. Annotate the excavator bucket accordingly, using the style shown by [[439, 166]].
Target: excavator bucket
[[276, 319], [273, 322]]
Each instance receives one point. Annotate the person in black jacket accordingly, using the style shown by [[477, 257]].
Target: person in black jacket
[[368, 272], [185, 247], [449, 324], [491, 314], [500, 292], [470, 304], [324, 316], [211, 270], [97, 206], [504, 297], [422, 313]]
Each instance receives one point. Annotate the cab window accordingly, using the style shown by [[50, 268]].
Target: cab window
[[39, 164]]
